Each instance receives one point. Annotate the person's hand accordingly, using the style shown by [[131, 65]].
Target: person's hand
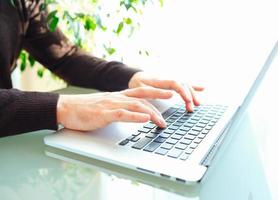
[[93, 111], [186, 91]]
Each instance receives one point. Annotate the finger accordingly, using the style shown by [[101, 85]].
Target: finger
[[137, 105], [148, 93], [194, 97], [141, 105], [184, 92], [198, 88], [162, 122], [122, 115], [171, 85]]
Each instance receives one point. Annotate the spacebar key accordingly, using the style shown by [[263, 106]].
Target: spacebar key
[[169, 112], [141, 143]]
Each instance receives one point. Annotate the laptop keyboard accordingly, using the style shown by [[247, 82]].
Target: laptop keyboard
[[184, 133]]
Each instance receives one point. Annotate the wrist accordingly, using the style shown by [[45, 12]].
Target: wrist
[[61, 109], [134, 79]]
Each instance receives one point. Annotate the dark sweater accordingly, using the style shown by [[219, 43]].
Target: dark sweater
[[23, 26]]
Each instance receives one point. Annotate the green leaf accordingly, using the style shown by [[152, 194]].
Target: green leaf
[[99, 23], [109, 50], [31, 60], [90, 23], [23, 58], [53, 23], [43, 7], [120, 28], [51, 15], [52, 20], [40, 72], [128, 20]]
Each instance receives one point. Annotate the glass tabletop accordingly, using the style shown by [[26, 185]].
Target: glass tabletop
[[242, 169]]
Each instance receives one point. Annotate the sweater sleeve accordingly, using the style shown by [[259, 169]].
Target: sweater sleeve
[[26, 111], [72, 64]]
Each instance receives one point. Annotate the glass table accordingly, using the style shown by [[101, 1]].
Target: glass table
[[244, 168]]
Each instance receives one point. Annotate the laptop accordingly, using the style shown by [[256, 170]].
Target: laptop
[[182, 152]]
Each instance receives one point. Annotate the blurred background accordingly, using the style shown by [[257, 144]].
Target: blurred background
[[202, 42]]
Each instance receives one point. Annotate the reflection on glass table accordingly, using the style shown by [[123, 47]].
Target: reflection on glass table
[[30, 170], [236, 172]]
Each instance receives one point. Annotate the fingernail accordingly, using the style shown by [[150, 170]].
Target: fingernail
[[190, 108], [162, 122]]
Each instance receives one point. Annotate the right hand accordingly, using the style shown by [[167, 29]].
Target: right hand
[[93, 111]]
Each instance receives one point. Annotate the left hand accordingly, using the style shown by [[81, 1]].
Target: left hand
[[186, 91]]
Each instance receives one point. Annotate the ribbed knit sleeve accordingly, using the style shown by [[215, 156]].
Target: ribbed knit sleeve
[[26, 111]]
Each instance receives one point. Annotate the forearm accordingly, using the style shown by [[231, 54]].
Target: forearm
[[22, 112], [84, 70]]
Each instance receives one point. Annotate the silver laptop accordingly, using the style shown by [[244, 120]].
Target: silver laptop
[[182, 152]]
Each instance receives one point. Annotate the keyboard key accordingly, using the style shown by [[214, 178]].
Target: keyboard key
[[142, 143], [144, 130], [170, 120], [124, 142], [198, 140], [181, 146], [195, 133], [191, 121], [185, 118], [169, 131], [193, 146], [177, 137], [186, 141], [199, 115], [152, 146], [182, 121], [205, 131], [199, 129], [162, 151], [151, 135], [184, 128], [174, 153], [157, 130], [164, 135], [184, 156], [195, 118], [211, 123], [167, 146], [160, 139], [178, 124], [171, 141], [130, 137], [203, 121], [202, 136], [135, 139], [169, 112], [180, 132], [190, 137], [189, 151], [208, 127], [150, 126], [172, 127], [188, 125], [136, 134], [201, 125]]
